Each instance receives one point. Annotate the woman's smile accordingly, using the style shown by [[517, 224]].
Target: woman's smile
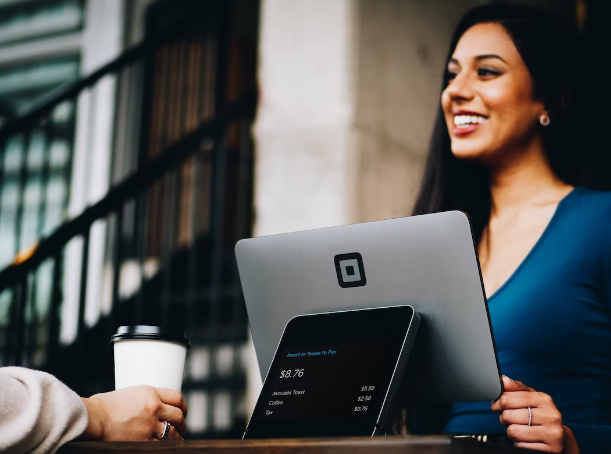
[[466, 122]]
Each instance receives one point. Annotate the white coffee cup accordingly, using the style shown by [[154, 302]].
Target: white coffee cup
[[149, 355]]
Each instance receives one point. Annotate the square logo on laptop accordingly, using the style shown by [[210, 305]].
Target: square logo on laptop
[[350, 271]]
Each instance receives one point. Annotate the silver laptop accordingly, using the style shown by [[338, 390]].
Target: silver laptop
[[427, 261]]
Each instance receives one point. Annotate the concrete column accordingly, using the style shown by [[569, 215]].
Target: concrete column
[[303, 123]]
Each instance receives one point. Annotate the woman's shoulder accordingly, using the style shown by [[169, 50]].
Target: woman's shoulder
[[592, 205], [593, 199], [585, 218]]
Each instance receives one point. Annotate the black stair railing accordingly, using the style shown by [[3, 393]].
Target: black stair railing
[[168, 226]]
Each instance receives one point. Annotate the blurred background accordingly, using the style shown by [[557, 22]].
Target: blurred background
[[140, 139]]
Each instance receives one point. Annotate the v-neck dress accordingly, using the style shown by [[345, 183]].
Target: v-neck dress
[[552, 324]]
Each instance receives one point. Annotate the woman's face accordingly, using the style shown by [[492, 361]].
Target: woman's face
[[489, 104]]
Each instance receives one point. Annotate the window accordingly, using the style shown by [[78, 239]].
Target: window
[[32, 20], [40, 49]]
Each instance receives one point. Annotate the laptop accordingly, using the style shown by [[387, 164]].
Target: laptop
[[428, 262]]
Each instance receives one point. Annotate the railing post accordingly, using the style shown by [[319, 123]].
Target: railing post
[[169, 234], [140, 232], [117, 262], [3, 143], [45, 171], [219, 170], [9, 336], [54, 319], [21, 303], [82, 305], [23, 180]]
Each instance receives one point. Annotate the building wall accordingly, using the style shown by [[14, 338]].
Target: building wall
[[400, 51], [305, 110]]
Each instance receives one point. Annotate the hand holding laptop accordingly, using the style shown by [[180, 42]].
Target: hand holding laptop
[[532, 419]]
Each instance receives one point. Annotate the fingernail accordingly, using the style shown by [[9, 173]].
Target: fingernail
[[508, 378]]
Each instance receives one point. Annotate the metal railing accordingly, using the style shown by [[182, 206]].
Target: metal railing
[[157, 248]]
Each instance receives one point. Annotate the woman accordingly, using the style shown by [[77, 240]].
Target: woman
[[505, 150], [38, 413]]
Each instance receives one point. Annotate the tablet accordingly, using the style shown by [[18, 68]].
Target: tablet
[[428, 262], [335, 374]]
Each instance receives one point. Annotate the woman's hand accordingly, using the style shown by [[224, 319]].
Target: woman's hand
[[546, 433], [135, 413]]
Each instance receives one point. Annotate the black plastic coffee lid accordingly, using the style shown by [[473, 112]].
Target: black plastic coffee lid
[[150, 333]]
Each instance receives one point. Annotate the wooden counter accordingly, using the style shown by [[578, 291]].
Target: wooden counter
[[379, 445]]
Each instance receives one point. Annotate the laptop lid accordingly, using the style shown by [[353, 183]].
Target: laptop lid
[[428, 262]]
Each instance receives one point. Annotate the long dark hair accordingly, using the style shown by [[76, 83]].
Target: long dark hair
[[549, 47]]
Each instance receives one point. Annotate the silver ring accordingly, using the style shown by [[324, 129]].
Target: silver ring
[[530, 416], [166, 431]]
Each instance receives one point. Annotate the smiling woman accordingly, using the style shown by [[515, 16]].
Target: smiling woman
[[513, 59], [507, 149], [499, 90]]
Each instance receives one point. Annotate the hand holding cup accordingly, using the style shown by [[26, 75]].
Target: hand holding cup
[[135, 414], [147, 404]]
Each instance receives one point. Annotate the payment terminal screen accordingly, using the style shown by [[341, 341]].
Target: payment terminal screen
[[327, 381]]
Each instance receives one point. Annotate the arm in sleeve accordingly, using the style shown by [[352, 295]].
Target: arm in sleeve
[[38, 413], [591, 439]]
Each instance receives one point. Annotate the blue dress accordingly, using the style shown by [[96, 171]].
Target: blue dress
[[552, 324]]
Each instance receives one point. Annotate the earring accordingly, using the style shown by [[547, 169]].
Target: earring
[[544, 120]]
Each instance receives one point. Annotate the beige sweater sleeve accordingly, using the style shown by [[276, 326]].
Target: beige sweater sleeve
[[38, 413]]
